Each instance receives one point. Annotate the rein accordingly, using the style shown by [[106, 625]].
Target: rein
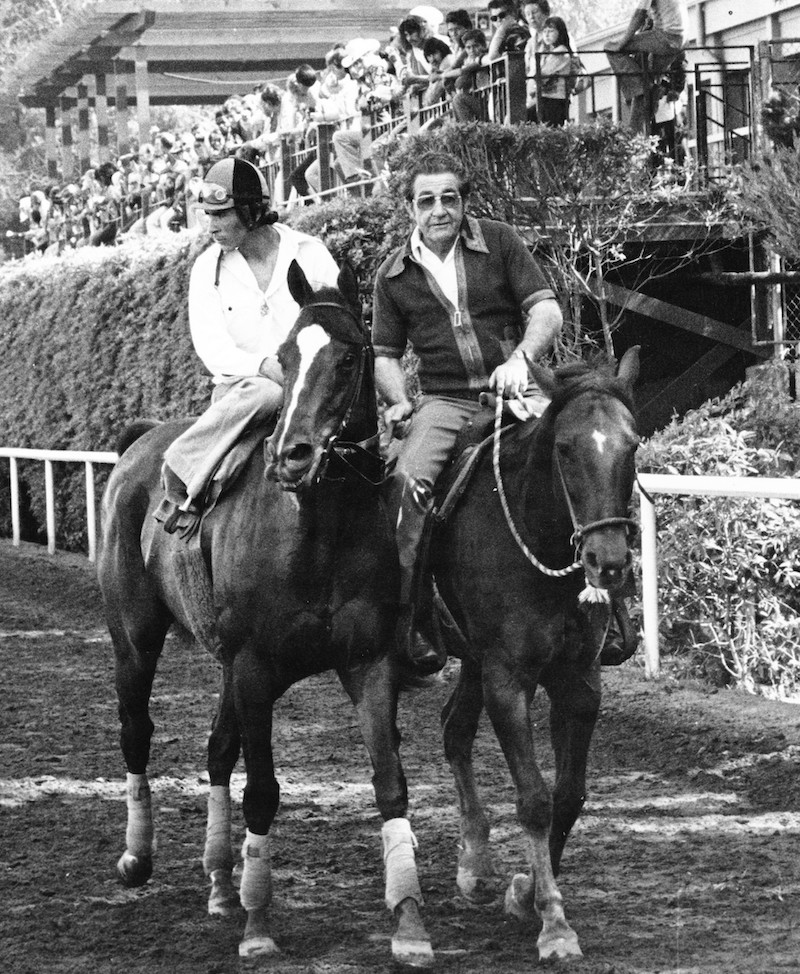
[[579, 531]]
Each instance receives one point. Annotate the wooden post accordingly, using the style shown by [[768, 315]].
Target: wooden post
[[121, 112], [84, 147], [101, 114], [15, 520], [287, 145], [142, 100], [515, 88], [325, 132], [51, 141], [67, 153]]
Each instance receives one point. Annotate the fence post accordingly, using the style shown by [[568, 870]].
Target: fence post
[[325, 132], [14, 476], [516, 89], [91, 527], [647, 520], [49, 496]]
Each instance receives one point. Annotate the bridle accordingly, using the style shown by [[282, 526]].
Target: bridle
[[361, 459], [579, 531]]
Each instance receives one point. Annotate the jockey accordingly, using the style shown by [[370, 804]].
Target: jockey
[[240, 311]]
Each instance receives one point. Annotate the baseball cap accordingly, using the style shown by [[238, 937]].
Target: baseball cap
[[230, 182]]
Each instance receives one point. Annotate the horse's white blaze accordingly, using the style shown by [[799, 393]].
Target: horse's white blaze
[[310, 341], [600, 440]]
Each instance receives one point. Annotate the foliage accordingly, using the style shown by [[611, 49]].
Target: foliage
[[729, 569], [768, 201], [91, 341], [583, 191]]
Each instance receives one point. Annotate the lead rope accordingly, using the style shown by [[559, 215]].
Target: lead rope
[[590, 593]]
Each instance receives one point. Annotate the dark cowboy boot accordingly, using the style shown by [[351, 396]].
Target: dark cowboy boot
[[414, 651], [622, 638]]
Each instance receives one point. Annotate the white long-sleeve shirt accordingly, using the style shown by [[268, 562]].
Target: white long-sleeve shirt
[[235, 325]]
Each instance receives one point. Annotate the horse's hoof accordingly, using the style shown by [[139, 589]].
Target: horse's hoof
[[258, 947], [516, 895], [412, 953], [134, 870], [223, 900], [477, 889], [562, 947]]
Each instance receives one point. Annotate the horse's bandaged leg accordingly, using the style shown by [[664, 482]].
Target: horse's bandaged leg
[[255, 891], [139, 833], [401, 867], [218, 853]]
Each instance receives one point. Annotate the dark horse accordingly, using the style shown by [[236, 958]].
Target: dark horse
[[566, 482], [297, 575]]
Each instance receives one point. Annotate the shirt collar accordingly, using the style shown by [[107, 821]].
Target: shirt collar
[[471, 236]]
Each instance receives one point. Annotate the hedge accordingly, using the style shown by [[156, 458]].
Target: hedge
[[99, 337]]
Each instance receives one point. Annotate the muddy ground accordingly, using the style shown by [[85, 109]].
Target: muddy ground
[[687, 858]]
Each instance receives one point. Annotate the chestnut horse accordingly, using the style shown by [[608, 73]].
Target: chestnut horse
[[296, 573], [509, 583]]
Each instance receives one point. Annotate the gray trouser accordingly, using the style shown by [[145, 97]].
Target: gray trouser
[[421, 457], [236, 406]]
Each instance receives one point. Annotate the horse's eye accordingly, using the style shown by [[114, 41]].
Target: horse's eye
[[348, 359]]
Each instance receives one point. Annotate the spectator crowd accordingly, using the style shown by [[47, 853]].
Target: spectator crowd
[[431, 54]]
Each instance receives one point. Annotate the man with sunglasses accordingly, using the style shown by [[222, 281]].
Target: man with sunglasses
[[240, 310], [472, 301], [508, 34]]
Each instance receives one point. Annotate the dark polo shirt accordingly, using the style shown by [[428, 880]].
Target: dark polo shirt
[[459, 348]]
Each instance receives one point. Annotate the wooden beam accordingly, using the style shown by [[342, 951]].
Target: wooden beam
[[101, 113], [121, 106], [682, 391], [142, 100], [84, 146], [716, 331], [746, 278], [51, 141], [67, 153]]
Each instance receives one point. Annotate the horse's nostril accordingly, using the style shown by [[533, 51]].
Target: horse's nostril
[[299, 453], [591, 558]]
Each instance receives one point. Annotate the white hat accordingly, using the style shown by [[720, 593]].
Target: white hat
[[430, 15], [358, 48]]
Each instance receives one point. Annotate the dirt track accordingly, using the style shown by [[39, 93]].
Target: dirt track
[[687, 857]]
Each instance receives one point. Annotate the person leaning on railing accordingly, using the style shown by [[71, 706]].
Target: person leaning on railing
[[653, 39]]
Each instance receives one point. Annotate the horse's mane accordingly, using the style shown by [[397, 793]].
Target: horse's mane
[[575, 378]]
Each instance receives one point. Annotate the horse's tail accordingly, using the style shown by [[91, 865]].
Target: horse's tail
[[133, 431]]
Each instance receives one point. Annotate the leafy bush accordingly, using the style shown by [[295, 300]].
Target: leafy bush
[[729, 569]]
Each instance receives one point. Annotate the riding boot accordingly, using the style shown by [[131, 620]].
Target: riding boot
[[413, 649], [622, 637]]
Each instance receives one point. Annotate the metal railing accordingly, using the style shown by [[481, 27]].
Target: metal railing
[[86, 457]]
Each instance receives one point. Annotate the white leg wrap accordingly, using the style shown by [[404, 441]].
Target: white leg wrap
[[139, 833], [218, 853], [255, 891], [398, 858]]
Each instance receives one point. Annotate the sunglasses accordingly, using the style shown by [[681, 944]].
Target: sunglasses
[[214, 193], [450, 200], [498, 16]]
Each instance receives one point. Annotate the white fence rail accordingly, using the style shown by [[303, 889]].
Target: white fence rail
[[655, 483], [762, 487], [88, 458]]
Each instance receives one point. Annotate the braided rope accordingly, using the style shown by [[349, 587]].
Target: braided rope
[[551, 572]]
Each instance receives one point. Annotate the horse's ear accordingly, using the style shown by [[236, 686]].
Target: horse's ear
[[543, 377], [299, 288], [348, 284], [628, 371]]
